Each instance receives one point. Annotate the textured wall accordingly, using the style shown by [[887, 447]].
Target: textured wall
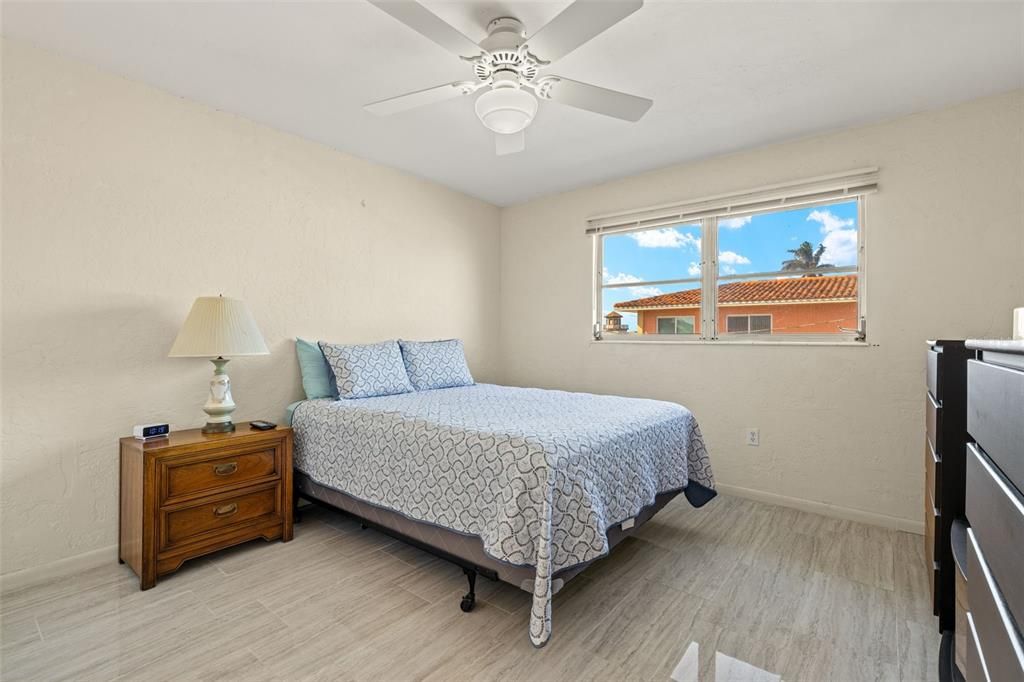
[[121, 204], [839, 426]]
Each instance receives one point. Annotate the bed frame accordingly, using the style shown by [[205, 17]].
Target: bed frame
[[465, 551]]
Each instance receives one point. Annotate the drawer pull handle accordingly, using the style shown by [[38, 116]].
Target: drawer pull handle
[[226, 469], [226, 510]]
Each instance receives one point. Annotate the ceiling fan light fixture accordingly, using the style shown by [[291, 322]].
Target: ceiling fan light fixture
[[506, 110]]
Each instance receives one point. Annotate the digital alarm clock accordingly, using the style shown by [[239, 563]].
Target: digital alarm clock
[[151, 431]]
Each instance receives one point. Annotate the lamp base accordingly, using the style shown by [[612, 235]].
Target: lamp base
[[219, 405], [219, 427]]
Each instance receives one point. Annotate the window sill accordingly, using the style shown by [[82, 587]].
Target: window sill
[[849, 343]]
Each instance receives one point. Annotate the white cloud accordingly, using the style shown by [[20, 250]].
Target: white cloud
[[626, 278], [734, 223], [732, 258], [840, 237], [619, 278], [829, 220], [840, 247], [694, 269], [665, 238]]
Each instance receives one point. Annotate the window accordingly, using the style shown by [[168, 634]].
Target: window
[[779, 264], [676, 325], [749, 324], [642, 264]]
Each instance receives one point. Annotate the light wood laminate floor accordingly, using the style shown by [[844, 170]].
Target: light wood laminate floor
[[796, 595]]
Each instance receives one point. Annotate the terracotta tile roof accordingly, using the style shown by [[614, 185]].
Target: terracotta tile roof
[[786, 290]]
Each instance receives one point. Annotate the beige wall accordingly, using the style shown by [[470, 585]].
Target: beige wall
[[121, 204], [839, 426]]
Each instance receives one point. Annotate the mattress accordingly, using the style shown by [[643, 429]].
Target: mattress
[[539, 476]]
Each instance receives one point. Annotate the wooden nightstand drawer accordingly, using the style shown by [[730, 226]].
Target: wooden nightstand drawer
[[209, 473], [187, 524]]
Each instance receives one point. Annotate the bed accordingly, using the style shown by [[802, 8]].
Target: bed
[[524, 485]]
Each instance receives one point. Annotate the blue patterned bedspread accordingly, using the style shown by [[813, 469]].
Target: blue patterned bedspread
[[538, 475]]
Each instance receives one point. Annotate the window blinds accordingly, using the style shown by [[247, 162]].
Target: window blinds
[[837, 186]]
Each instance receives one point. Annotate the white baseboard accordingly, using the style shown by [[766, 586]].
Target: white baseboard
[[106, 555], [58, 569], [825, 509]]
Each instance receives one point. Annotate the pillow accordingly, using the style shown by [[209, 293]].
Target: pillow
[[436, 364], [368, 370], [317, 381]]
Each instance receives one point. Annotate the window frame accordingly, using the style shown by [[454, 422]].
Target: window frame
[[710, 278]]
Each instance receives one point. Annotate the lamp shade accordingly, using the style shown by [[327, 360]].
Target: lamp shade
[[506, 110], [216, 327]]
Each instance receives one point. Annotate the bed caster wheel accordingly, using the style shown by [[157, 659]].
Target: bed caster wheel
[[468, 602]]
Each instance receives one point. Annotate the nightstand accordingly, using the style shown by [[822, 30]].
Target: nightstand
[[193, 493]]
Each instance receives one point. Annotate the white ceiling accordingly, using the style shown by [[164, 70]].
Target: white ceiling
[[724, 76]]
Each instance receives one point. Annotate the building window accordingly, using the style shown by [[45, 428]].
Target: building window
[[781, 266], [748, 324], [684, 324]]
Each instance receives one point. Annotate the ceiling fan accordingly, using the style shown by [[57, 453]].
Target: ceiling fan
[[507, 66]]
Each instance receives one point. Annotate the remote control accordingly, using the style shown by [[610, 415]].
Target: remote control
[[261, 425]]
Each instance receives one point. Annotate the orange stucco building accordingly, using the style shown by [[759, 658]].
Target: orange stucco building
[[792, 305]]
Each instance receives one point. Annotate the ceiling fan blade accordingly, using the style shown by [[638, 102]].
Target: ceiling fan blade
[[593, 98], [509, 144], [578, 23], [423, 21], [411, 100]]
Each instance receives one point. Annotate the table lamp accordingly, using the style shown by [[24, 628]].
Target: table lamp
[[215, 327]]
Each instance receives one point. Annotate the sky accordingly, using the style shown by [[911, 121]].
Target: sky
[[750, 244]]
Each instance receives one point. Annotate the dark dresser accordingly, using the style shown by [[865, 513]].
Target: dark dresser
[[944, 465], [995, 512]]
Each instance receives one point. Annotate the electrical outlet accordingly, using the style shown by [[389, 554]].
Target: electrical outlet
[[753, 437]]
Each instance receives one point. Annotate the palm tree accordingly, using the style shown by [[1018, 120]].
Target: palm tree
[[806, 258]]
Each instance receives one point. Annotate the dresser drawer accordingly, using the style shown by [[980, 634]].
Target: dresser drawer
[[933, 473], [975, 671], [995, 415], [225, 512], [960, 635], [933, 374], [931, 520], [213, 471], [933, 421], [998, 642], [996, 513]]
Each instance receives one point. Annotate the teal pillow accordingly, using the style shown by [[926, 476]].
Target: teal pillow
[[317, 381]]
